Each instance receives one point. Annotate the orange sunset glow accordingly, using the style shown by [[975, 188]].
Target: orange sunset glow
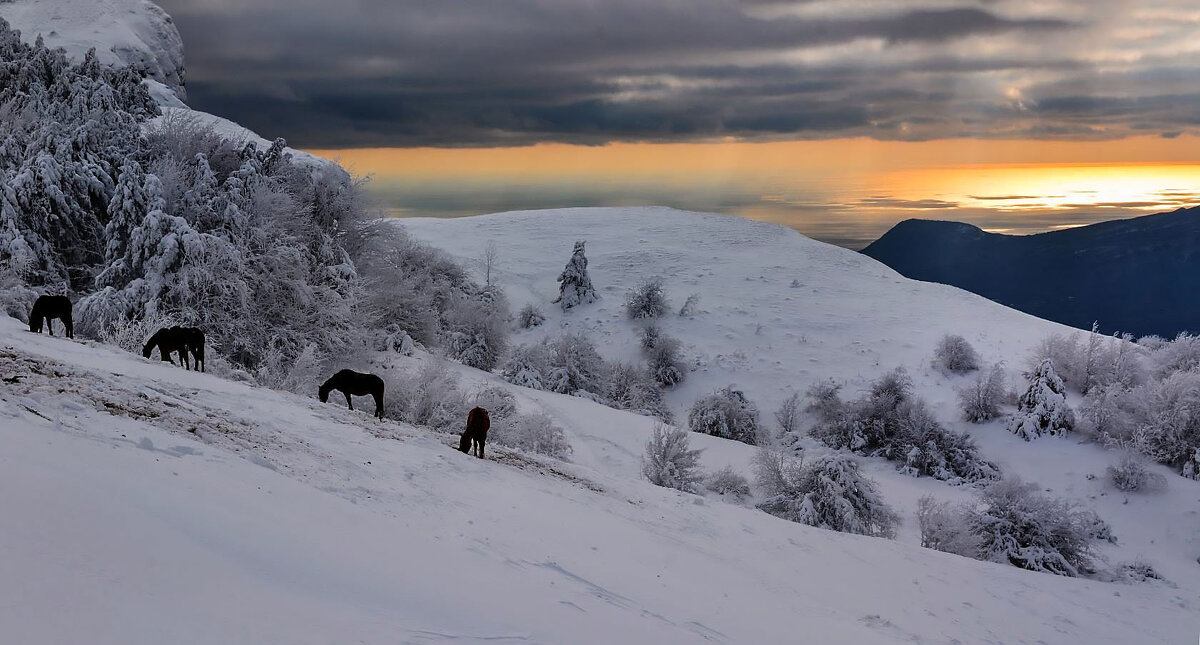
[[843, 190]]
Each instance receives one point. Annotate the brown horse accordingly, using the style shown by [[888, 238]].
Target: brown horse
[[478, 424], [181, 340], [349, 382], [47, 308]]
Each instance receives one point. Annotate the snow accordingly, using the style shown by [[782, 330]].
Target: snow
[[159, 505], [127, 32]]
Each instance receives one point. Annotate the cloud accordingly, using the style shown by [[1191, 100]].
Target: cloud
[[480, 72]]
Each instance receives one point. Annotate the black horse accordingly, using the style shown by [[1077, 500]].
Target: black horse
[[47, 308], [349, 382], [181, 340], [478, 424]]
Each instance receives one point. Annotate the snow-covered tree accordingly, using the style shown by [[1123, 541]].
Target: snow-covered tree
[[663, 358], [530, 316], [955, 355], [628, 387], [534, 433], [725, 413], [787, 415], [670, 462], [575, 286], [647, 300], [1020, 526], [727, 482], [1043, 408], [829, 493], [1131, 474], [981, 399]]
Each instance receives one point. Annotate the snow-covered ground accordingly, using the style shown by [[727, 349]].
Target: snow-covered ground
[[149, 504]]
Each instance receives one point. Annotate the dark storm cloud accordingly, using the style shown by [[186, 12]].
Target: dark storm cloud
[[500, 72]]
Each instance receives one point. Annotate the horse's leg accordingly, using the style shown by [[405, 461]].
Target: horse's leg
[[480, 448], [378, 404], [50, 324], [183, 358], [349, 403], [70, 325]]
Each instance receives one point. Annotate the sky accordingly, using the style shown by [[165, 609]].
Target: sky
[[837, 118]]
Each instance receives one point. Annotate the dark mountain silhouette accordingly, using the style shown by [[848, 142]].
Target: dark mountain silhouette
[[1139, 275]]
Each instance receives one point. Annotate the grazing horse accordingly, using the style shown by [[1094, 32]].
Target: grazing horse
[[48, 308], [193, 337], [478, 424], [349, 382], [171, 340]]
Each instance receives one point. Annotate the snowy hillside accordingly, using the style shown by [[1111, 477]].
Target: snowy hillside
[[128, 32], [136, 33], [149, 504]]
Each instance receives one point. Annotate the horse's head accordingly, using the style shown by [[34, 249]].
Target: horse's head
[[148, 349], [323, 392], [35, 324]]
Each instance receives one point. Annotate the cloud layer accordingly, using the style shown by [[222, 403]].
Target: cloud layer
[[506, 72]]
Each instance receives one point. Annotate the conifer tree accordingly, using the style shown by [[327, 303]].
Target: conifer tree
[[1043, 408], [575, 286]]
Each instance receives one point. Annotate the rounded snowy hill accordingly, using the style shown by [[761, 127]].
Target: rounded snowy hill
[[777, 311]]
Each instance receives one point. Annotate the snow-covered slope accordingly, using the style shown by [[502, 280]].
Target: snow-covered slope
[[137, 33], [129, 32], [147, 504]]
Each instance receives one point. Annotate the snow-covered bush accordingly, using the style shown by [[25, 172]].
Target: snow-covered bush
[[477, 328], [981, 399], [575, 285], [1191, 468], [1132, 474], [727, 482], [535, 433], [499, 402], [725, 413], [647, 300], [1138, 570], [829, 493], [526, 366], [946, 527], [891, 422], [574, 365], [1020, 526], [16, 297], [530, 316], [955, 355], [690, 306], [430, 397], [628, 387], [1043, 408], [664, 361], [670, 462], [787, 415], [1179, 355], [1087, 360]]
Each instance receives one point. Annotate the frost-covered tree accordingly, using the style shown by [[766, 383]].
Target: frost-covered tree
[[663, 358], [477, 328], [1043, 408], [787, 415], [575, 286], [647, 300], [725, 413], [829, 493], [632, 388], [533, 433], [1131, 474], [955, 355], [946, 527], [727, 482], [981, 399], [670, 462]]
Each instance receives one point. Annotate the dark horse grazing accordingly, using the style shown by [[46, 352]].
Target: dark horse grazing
[[48, 308], [181, 340], [478, 424], [349, 382]]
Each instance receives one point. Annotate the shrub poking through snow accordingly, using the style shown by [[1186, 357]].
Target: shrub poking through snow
[[890, 422], [787, 415], [727, 482], [1131, 474], [690, 306], [628, 387], [946, 527], [530, 316], [829, 493], [664, 362], [981, 399], [1043, 408], [725, 413], [534, 433], [430, 397], [575, 285], [955, 355], [1023, 527], [1136, 571], [669, 461], [647, 300]]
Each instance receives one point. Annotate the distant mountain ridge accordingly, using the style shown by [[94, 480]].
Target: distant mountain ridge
[[1138, 275]]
